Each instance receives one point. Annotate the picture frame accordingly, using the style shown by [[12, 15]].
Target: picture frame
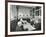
[[23, 5]]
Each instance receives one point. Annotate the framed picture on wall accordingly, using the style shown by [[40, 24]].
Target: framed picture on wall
[[25, 18]]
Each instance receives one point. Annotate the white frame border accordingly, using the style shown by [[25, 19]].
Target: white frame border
[[24, 32]]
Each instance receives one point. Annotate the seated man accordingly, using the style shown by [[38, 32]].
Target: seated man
[[26, 25]]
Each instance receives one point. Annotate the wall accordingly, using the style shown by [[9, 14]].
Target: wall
[[2, 19]]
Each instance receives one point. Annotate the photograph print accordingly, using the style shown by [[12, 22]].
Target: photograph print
[[25, 18]]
